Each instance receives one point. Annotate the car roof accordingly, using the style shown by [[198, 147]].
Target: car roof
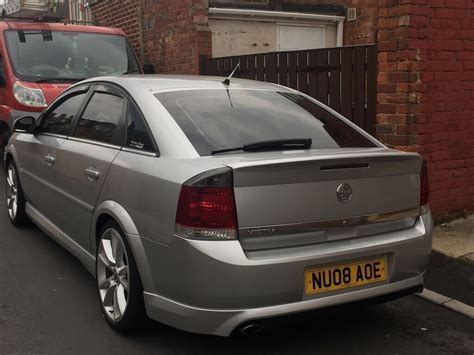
[[164, 82], [44, 26]]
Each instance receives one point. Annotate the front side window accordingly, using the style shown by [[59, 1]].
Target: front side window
[[62, 55], [100, 118], [137, 132], [59, 120], [221, 119]]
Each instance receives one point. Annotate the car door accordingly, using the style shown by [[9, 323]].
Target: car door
[[84, 160], [37, 152]]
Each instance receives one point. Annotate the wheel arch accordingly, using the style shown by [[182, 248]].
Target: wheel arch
[[110, 210]]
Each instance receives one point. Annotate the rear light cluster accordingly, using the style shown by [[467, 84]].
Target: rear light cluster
[[206, 207], [424, 186]]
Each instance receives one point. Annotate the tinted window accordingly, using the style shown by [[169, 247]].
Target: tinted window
[[58, 121], [100, 118], [137, 133], [217, 119]]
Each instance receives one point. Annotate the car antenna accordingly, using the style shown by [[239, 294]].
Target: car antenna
[[227, 81]]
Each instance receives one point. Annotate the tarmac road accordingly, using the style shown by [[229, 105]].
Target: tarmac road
[[48, 304]]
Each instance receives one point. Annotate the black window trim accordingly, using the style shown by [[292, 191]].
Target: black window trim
[[104, 89], [114, 89]]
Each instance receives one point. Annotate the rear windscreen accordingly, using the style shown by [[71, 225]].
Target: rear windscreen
[[220, 119]]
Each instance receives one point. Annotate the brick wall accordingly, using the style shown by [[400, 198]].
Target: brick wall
[[122, 14], [443, 33], [175, 33], [426, 92]]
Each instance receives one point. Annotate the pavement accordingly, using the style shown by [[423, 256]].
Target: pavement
[[456, 239], [453, 257], [48, 304]]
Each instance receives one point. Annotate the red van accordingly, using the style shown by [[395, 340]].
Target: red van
[[41, 60]]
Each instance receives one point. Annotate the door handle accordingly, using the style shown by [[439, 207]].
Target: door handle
[[92, 173], [49, 159]]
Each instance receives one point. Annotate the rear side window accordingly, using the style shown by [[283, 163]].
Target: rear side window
[[100, 118], [59, 120], [220, 119], [137, 132]]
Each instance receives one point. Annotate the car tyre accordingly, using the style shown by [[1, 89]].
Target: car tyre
[[119, 285], [15, 198]]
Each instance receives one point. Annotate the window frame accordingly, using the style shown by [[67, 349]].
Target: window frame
[[118, 138], [108, 88]]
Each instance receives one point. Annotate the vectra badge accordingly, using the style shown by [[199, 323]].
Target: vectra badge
[[344, 193]]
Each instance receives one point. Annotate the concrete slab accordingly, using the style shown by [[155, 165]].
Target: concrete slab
[[455, 239], [434, 297], [460, 307], [447, 302]]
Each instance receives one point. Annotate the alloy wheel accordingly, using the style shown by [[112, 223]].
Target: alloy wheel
[[12, 192], [113, 274]]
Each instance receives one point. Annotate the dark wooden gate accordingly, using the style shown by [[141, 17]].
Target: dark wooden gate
[[343, 78]]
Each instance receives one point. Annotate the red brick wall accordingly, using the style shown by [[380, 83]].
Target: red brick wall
[[122, 14], [443, 32], [426, 92], [175, 33]]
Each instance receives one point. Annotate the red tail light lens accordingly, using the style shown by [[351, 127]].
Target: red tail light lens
[[206, 208], [424, 185]]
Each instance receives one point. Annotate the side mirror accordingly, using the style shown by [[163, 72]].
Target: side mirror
[[24, 125], [148, 69]]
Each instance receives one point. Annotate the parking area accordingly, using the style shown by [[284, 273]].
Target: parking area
[[48, 305]]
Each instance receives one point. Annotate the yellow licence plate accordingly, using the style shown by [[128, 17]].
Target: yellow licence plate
[[343, 276]]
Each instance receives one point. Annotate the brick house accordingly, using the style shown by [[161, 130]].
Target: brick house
[[425, 81]]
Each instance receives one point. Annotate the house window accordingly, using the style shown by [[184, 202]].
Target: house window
[[80, 11]]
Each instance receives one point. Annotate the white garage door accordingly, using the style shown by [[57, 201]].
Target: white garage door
[[300, 37]]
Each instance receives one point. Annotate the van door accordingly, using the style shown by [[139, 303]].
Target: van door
[[84, 160]]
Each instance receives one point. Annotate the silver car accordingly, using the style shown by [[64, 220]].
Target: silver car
[[211, 206]]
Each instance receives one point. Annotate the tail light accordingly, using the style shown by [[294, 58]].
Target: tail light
[[206, 207], [424, 185]]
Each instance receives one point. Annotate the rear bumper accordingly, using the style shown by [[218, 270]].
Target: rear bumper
[[213, 287], [224, 322]]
